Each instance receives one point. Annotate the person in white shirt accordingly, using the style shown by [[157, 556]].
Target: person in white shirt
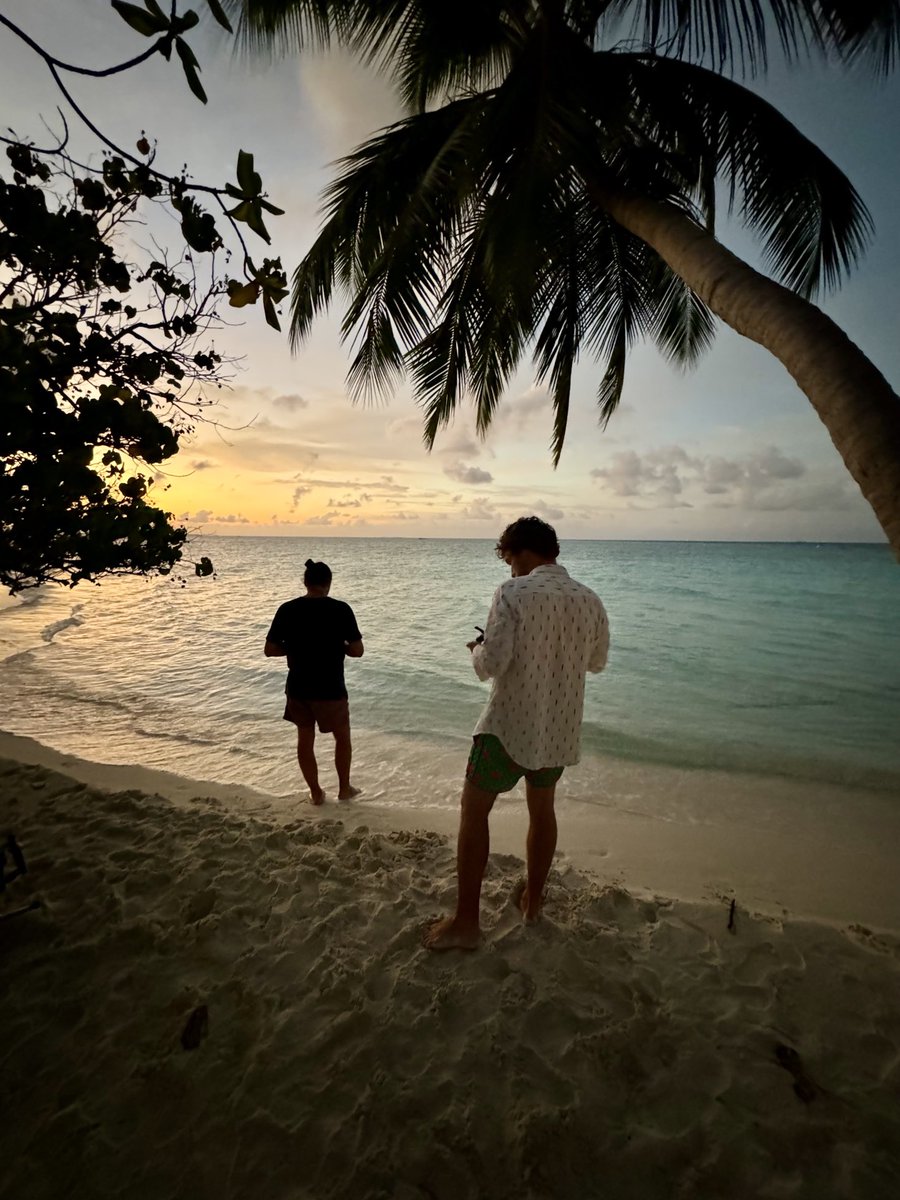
[[543, 632]]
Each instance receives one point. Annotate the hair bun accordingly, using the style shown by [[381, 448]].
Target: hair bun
[[309, 563]]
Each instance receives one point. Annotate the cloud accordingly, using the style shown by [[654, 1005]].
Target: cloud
[[461, 444], [521, 409], [202, 464], [378, 487], [290, 402], [464, 474], [204, 517], [249, 453], [653, 475], [321, 519], [548, 512], [480, 509], [298, 492], [344, 503], [405, 426], [827, 495], [662, 476]]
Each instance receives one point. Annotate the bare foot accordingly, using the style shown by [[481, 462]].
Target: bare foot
[[317, 797], [446, 934], [348, 792], [531, 913]]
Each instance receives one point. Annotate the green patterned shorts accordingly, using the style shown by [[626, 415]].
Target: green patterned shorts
[[491, 769]]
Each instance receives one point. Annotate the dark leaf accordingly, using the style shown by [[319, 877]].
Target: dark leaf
[[271, 314], [254, 220], [242, 211], [185, 22], [153, 7], [139, 19], [246, 176], [240, 293], [219, 13], [92, 193], [190, 65], [198, 227]]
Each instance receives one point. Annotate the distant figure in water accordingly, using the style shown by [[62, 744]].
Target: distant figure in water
[[316, 632], [543, 632]]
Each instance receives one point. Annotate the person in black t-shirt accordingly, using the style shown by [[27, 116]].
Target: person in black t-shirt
[[316, 632]]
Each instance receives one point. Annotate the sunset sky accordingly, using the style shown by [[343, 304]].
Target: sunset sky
[[732, 450]]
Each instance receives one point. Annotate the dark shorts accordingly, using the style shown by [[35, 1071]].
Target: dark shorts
[[491, 769], [329, 715]]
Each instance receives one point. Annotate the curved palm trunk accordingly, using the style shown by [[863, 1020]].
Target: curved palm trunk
[[853, 399]]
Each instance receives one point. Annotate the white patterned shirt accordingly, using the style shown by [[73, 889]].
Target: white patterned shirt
[[544, 631]]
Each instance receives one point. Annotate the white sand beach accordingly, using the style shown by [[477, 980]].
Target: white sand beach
[[629, 1046]]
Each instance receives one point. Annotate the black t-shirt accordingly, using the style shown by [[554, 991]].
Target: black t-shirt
[[313, 630]]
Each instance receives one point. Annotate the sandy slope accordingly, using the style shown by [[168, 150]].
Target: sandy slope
[[625, 1048]]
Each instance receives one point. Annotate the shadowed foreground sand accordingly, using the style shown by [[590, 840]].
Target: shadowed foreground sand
[[625, 1048]]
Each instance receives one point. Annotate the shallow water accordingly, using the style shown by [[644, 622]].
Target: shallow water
[[771, 659]]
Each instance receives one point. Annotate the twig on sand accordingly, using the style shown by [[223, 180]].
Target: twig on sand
[[787, 1057], [196, 1028]]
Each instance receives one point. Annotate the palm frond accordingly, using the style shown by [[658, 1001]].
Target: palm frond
[[379, 359], [312, 285], [728, 34], [285, 26], [438, 50], [559, 342], [390, 215], [439, 362], [609, 393], [682, 327], [477, 340], [813, 224]]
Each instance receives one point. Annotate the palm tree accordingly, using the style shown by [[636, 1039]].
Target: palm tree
[[547, 193]]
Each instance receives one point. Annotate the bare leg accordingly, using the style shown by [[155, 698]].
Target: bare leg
[[541, 846], [343, 754], [462, 931], [306, 738]]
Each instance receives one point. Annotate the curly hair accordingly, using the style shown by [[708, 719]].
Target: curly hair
[[528, 533]]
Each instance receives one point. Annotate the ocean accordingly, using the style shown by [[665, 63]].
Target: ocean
[[727, 659]]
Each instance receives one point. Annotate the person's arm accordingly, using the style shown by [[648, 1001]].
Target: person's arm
[[353, 643], [274, 647], [491, 657], [600, 648]]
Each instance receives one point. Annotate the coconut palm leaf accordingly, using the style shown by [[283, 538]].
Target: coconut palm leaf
[[703, 128], [433, 46], [728, 33]]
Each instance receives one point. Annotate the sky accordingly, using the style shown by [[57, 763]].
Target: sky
[[729, 451]]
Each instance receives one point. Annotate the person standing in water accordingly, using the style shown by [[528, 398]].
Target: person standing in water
[[316, 632]]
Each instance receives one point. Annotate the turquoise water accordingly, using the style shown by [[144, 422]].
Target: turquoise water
[[778, 659]]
